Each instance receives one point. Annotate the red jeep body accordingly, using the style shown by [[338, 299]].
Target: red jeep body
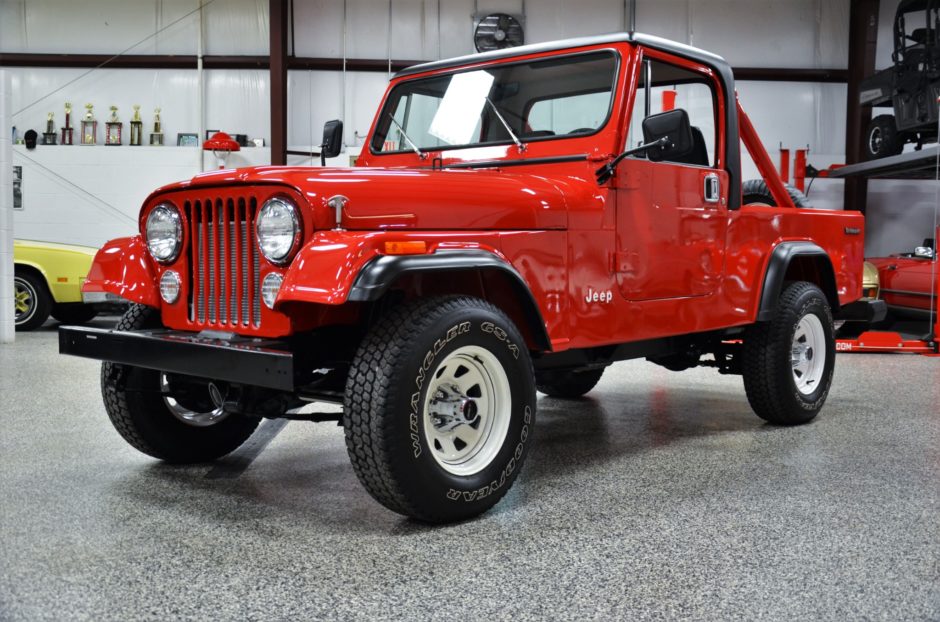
[[662, 260]]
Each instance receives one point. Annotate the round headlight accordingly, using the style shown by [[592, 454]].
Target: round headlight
[[170, 286], [278, 230], [164, 233], [270, 286]]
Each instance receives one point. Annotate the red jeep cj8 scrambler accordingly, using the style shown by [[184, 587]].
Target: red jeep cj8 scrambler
[[518, 221]]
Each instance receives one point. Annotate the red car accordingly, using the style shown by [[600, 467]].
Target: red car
[[518, 220], [908, 281]]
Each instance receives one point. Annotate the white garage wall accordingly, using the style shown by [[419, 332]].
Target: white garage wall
[[749, 33]]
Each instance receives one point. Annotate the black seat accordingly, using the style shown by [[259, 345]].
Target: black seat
[[699, 153]]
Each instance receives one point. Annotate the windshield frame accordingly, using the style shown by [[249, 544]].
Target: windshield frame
[[385, 111]]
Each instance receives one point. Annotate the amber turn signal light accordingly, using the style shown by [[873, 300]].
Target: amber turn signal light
[[406, 248]]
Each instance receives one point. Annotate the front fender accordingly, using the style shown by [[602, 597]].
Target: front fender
[[324, 270], [123, 267]]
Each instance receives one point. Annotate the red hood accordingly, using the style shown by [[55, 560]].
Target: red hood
[[382, 198]]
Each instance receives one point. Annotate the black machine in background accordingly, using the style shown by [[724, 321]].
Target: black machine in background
[[911, 85]]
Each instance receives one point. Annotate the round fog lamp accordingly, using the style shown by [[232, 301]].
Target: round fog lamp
[[270, 286], [170, 287]]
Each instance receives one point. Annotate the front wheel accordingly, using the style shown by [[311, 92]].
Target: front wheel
[[172, 418], [789, 360], [439, 408]]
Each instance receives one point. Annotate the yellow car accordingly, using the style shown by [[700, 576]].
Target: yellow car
[[48, 280]]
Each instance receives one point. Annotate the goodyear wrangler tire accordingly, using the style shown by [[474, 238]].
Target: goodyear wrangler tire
[[439, 408], [789, 361], [155, 423]]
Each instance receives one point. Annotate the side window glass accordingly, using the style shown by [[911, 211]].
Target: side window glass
[[675, 87]]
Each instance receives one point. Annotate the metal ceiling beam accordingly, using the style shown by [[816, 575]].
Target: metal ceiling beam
[[773, 74], [278, 13], [863, 38]]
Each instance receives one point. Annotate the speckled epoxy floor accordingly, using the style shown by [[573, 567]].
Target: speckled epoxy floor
[[658, 497]]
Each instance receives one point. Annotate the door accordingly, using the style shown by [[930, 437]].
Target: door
[[672, 216]]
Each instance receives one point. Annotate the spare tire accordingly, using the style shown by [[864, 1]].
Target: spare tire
[[755, 191]]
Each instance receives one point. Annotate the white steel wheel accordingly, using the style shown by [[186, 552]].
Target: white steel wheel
[[187, 416], [467, 410], [808, 354]]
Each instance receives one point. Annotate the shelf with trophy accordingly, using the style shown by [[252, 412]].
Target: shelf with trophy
[[182, 154], [114, 129]]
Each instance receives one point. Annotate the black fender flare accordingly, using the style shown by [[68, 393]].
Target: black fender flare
[[380, 273], [780, 259]]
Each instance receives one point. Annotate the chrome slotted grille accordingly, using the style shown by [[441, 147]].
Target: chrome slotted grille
[[224, 263]]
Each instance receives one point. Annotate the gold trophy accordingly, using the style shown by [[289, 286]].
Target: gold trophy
[[113, 129], [48, 137], [137, 127], [89, 126], [67, 130], [156, 137]]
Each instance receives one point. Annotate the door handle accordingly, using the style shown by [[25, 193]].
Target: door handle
[[712, 192]]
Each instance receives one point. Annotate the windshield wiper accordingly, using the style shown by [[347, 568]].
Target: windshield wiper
[[411, 143], [515, 139]]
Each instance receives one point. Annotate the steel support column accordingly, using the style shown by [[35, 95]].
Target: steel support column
[[279, 32], [863, 38]]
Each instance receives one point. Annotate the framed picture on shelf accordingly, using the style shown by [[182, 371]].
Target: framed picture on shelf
[[187, 140], [209, 133]]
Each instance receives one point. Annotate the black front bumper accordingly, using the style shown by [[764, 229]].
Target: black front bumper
[[864, 310], [240, 360]]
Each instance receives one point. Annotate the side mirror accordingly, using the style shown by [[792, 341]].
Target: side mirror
[[674, 127], [332, 139], [923, 251]]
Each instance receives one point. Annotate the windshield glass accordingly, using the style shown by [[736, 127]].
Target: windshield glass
[[538, 100]]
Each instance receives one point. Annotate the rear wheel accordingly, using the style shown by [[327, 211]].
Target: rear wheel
[[568, 383], [32, 301], [439, 408], [171, 418], [789, 360], [882, 139]]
